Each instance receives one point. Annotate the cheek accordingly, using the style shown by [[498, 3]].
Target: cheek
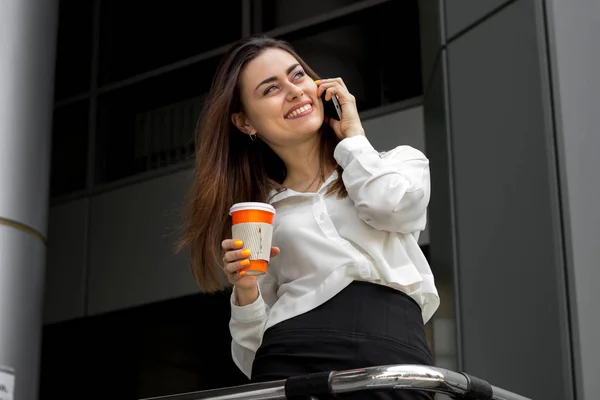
[[311, 88], [265, 118], [267, 111]]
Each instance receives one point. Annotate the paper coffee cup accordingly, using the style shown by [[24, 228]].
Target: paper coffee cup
[[252, 223]]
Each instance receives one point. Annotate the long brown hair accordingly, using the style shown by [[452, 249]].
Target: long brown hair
[[231, 168]]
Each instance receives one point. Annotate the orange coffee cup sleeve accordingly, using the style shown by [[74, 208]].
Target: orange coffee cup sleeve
[[240, 217]]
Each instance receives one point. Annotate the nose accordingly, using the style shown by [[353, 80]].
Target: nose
[[295, 92]]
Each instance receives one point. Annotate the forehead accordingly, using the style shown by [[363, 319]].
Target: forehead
[[271, 62]]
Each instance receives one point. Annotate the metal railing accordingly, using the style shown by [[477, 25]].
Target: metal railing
[[393, 377]]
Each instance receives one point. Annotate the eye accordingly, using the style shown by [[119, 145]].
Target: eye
[[268, 90], [299, 74]]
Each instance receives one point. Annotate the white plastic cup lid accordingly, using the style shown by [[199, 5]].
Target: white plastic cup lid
[[252, 206]]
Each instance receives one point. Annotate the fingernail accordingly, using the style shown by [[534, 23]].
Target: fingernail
[[317, 81], [238, 243], [242, 273], [246, 253], [244, 263]]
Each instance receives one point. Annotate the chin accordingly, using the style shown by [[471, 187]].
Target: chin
[[310, 128], [314, 123]]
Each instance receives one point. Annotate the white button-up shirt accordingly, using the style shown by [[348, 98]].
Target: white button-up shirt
[[326, 242]]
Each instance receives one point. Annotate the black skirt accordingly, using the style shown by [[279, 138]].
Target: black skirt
[[364, 325]]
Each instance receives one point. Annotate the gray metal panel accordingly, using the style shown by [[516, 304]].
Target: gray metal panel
[[66, 261], [133, 233], [508, 228], [437, 148], [432, 35], [399, 128], [27, 56], [21, 290], [442, 235], [462, 13], [574, 34]]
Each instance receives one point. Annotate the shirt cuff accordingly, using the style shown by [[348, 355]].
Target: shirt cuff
[[351, 148], [249, 312]]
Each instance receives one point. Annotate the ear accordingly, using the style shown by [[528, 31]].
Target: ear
[[242, 123]]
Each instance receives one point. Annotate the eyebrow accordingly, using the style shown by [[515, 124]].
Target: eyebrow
[[274, 78]]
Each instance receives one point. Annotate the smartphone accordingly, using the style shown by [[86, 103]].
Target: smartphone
[[332, 108]]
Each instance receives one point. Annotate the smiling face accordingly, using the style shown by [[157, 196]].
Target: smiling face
[[279, 100]]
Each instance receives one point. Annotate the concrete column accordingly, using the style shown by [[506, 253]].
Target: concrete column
[[27, 57]]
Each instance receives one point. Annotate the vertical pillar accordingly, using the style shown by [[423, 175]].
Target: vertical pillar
[[514, 192], [573, 34], [27, 58]]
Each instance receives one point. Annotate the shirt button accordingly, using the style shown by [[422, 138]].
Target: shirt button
[[322, 217], [363, 272]]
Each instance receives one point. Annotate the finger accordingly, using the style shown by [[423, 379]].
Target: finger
[[231, 244], [324, 86], [234, 267], [334, 87], [236, 255], [329, 90], [342, 94], [339, 91], [275, 251], [338, 80], [234, 278]]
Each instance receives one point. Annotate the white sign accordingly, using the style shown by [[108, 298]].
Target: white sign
[[7, 384]]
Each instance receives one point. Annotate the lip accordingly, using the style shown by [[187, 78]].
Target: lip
[[299, 105]]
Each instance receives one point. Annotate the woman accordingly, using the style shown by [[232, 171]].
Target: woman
[[347, 286]]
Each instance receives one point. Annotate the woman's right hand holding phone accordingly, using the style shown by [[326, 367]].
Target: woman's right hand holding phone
[[236, 258]]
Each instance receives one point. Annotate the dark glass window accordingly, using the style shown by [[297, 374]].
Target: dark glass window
[[277, 13], [150, 124], [140, 36], [74, 48], [69, 149]]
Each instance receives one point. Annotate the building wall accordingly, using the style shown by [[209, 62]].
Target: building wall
[[509, 119]]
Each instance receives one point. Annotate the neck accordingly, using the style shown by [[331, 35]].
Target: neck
[[303, 165]]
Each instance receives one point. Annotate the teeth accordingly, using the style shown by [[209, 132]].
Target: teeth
[[299, 111]]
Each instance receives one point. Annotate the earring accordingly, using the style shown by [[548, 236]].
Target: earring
[[253, 137]]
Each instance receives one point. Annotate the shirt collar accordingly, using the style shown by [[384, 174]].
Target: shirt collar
[[275, 196]]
